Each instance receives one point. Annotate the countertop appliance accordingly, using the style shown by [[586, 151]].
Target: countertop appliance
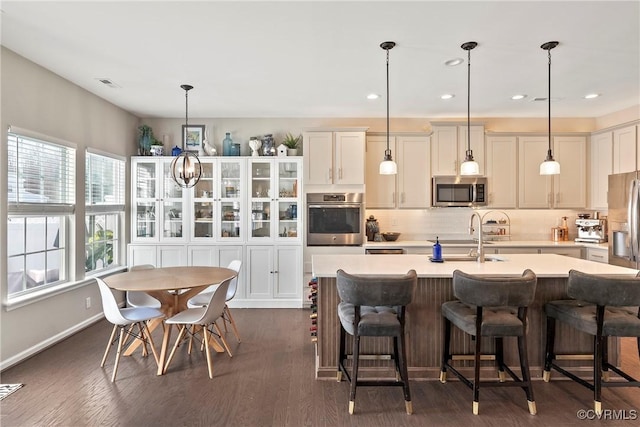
[[624, 219], [591, 230], [459, 191], [335, 219]]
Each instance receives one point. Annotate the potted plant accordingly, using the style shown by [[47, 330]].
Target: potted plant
[[291, 142], [145, 137]]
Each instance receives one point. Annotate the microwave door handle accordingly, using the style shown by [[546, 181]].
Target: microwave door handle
[[473, 194], [333, 206]]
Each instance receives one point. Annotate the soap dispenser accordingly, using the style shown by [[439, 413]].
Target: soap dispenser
[[437, 251]]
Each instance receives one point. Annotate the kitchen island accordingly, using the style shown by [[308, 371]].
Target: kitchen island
[[424, 320]]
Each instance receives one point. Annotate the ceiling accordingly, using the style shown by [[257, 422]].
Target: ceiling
[[321, 59]]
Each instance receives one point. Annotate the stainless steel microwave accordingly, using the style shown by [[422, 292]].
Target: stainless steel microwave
[[459, 191]]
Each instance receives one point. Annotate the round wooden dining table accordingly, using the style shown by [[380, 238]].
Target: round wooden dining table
[[173, 287]]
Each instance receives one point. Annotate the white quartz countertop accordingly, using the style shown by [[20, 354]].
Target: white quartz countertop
[[544, 265], [488, 245]]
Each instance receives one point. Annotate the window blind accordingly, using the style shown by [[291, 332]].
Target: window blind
[[40, 172], [105, 181]]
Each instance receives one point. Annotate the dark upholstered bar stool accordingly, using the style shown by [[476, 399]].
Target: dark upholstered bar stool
[[490, 307], [374, 306], [602, 306]]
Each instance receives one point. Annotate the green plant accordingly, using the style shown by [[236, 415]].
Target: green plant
[[100, 249], [291, 141]]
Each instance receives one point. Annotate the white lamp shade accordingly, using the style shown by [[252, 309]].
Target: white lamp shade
[[469, 168], [549, 167], [388, 167]]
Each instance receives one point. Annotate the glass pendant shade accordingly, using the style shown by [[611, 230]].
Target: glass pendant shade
[[549, 167], [469, 166], [186, 168], [388, 167]]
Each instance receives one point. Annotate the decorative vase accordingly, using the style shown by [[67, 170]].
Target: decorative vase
[[255, 144], [227, 144], [175, 151], [157, 150], [267, 145]]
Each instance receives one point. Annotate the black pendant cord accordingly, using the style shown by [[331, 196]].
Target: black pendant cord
[[469, 104], [186, 88], [549, 156], [387, 153]]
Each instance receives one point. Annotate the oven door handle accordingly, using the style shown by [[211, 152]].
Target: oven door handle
[[334, 206]]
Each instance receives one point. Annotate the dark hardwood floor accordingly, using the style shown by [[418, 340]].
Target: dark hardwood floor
[[268, 382]]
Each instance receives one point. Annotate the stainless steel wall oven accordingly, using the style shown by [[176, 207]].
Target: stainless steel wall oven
[[335, 219]]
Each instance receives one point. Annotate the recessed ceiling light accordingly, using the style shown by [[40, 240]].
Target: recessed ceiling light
[[447, 96], [591, 95], [108, 82], [453, 62], [373, 96], [519, 96]]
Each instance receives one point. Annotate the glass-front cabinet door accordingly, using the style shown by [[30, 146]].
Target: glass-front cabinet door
[[203, 199], [231, 196], [275, 199], [158, 202]]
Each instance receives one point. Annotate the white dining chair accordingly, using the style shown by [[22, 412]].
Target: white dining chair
[[201, 319], [139, 298], [126, 319], [203, 297]]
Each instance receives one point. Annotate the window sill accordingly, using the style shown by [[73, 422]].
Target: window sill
[[42, 294]]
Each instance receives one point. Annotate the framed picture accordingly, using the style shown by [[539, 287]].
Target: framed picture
[[192, 135]]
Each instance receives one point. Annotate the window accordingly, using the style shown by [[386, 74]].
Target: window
[[41, 202], [105, 192]]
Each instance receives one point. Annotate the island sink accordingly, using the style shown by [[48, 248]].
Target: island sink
[[457, 258]]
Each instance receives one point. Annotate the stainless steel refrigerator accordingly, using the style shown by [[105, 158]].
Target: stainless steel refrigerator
[[624, 219]]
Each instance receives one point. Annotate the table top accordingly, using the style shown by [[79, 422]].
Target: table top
[[167, 278]]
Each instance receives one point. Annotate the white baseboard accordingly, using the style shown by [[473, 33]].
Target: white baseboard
[[4, 364], [266, 303]]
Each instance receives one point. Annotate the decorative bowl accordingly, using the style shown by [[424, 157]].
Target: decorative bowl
[[390, 236]]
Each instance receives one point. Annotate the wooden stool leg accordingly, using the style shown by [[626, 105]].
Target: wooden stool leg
[[597, 374], [404, 373], [500, 358], [476, 375], [605, 358], [549, 350], [341, 353], [526, 375], [354, 373], [446, 350]]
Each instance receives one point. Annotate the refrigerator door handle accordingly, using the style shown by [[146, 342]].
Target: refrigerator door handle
[[633, 218]]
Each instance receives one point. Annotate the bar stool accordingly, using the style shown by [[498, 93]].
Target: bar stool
[[602, 306], [490, 307], [374, 306]]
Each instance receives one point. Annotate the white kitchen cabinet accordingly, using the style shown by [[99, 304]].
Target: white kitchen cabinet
[[334, 157], [213, 255], [570, 252], [159, 208], [601, 168], [625, 151], [567, 190], [598, 255], [157, 255], [501, 171], [275, 200], [449, 146], [570, 186], [411, 187], [274, 272]]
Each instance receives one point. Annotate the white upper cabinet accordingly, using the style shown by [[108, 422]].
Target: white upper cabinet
[[334, 157], [601, 168], [449, 146], [625, 152], [567, 190], [570, 186], [411, 187], [501, 171]]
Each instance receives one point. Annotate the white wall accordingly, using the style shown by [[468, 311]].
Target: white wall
[[33, 98]]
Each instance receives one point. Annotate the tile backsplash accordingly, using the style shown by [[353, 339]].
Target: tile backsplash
[[452, 223]]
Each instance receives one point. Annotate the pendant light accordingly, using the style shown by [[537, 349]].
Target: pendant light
[[186, 169], [469, 166], [388, 166], [549, 166]]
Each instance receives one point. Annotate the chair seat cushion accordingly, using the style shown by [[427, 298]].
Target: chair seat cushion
[[618, 321], [496, 321], [379, 321]]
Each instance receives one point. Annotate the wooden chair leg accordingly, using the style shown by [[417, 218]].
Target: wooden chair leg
[[446, 350], [153, 347], [205, 333], [476, 375], [119, 351], [224, 341], [500, 358], [526, 375], [597, 373], [232, 322], [404, 372], [109, 345], [354, 373], [145, 350], [175, 346]]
